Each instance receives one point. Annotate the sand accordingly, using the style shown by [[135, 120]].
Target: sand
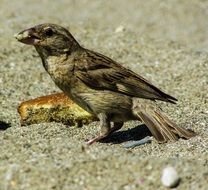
[[164, 41]]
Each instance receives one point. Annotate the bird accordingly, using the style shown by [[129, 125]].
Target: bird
[[100, 85]]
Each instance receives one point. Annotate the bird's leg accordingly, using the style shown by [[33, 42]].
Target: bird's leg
[[104, 126], [106, 130]]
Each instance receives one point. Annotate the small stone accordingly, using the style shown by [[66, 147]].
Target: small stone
[[170, 177], [119, 29], [138, 143]]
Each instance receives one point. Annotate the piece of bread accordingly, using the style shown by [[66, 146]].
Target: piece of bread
[[55, 107]]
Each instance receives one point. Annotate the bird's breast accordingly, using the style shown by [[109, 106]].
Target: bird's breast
[[59, 68]]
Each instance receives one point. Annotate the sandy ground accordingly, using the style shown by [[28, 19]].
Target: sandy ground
[[165, 41]]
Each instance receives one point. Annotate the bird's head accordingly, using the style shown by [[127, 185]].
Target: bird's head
[[48, 38]]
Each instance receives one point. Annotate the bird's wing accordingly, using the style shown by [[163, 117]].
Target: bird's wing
[[102, 73]]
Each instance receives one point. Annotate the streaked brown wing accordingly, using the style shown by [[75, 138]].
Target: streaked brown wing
[[102, 73]]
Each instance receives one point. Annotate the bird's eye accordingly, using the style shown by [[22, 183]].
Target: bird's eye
[[48, 32]]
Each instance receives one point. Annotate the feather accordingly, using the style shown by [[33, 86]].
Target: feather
[[102, 73], [161, 127]]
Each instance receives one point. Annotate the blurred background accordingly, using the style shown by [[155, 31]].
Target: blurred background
[[177, 20]]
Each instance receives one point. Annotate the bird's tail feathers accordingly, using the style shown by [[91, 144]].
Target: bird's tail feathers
[[161, 127]]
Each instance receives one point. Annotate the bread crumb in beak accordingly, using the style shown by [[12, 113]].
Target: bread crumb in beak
[[20, 36], [27, 37]]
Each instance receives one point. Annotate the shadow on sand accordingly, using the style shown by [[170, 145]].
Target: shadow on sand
[[137, 133], [4, 125]]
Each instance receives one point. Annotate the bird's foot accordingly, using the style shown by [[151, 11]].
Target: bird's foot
[[95, 139]]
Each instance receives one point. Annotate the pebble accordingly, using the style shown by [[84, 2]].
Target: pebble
[[119, 29], [138, 143], [170, 177]]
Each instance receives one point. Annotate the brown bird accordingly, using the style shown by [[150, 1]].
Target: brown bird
[[100, 85]]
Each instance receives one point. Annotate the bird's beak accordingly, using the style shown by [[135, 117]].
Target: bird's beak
[[28, 36]]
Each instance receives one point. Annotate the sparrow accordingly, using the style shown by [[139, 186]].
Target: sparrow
[[100, 85]]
